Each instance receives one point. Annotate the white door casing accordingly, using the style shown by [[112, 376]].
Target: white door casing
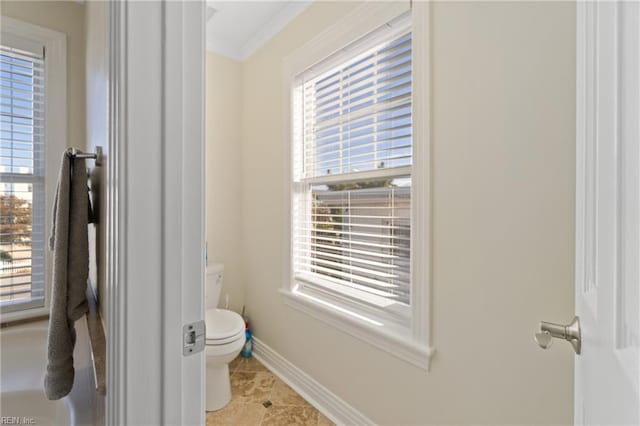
[[184, 208], [607, 373], [155, 278]]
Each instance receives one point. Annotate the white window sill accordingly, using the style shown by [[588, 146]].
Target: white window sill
[[372, 332], [25, 314]]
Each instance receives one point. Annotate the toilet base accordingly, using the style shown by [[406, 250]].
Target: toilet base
[[218, 386]]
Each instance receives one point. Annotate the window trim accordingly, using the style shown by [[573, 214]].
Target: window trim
[[412, 344], [55, 66]]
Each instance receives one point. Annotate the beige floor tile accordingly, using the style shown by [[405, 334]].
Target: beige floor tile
[[290, 415], [248, 364], [282, 394], [247, 386], [237, 414], [234, 364], [251, 385], [324, 420]]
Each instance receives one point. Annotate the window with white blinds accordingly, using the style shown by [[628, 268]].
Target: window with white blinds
[[352, 161], [22, 171]]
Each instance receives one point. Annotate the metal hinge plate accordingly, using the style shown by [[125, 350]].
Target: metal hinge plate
[[193, 337]]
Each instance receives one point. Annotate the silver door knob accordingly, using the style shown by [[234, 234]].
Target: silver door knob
[[570, 333]]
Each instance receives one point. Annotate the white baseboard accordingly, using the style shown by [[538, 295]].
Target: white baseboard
[[317, 395]]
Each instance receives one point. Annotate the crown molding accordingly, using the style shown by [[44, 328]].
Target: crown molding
[[266, 32], [273, 27]]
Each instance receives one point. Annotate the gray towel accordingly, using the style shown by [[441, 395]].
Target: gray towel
[[70, 244]]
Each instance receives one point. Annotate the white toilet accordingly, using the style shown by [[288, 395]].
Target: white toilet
[[225, 339]]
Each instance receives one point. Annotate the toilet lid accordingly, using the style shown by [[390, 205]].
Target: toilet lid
[[223, 326]]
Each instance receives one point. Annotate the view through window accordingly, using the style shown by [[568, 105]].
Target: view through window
[[352, 177], [22, 261]]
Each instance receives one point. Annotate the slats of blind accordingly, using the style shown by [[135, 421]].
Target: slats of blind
[[357, 117], [21, 111], [22, 168], [356, 238]]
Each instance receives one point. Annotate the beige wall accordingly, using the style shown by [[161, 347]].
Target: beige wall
[[66, 17], [223, 131], [503, 77]]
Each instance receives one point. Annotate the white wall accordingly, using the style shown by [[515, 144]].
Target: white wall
[[224, 221], [97, 113], [503, 100]]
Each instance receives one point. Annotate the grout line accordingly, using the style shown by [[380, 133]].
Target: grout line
[[264, 412]]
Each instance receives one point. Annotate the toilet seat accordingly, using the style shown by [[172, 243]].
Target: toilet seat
[[223, 327], [218, 342]]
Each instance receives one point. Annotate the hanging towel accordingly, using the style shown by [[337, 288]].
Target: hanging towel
[[70, 244]]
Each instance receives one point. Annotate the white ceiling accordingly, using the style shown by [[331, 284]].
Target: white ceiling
[[238, 28]]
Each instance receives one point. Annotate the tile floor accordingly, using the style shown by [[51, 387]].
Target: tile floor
[[258, 397]]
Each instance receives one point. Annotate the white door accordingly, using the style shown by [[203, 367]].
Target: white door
[[607, 373], [156, 212]]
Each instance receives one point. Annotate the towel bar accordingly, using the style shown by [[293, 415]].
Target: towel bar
[[91, 155]]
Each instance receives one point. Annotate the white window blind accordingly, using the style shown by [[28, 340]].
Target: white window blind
[[358, 117], [22, 171], [352, 131]]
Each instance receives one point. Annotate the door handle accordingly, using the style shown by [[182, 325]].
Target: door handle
[[549, 331]]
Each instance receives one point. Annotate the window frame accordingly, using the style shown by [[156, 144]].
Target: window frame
[[55, 133], [410, 342]]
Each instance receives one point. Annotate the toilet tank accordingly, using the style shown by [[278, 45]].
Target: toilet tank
[[215, 275]]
